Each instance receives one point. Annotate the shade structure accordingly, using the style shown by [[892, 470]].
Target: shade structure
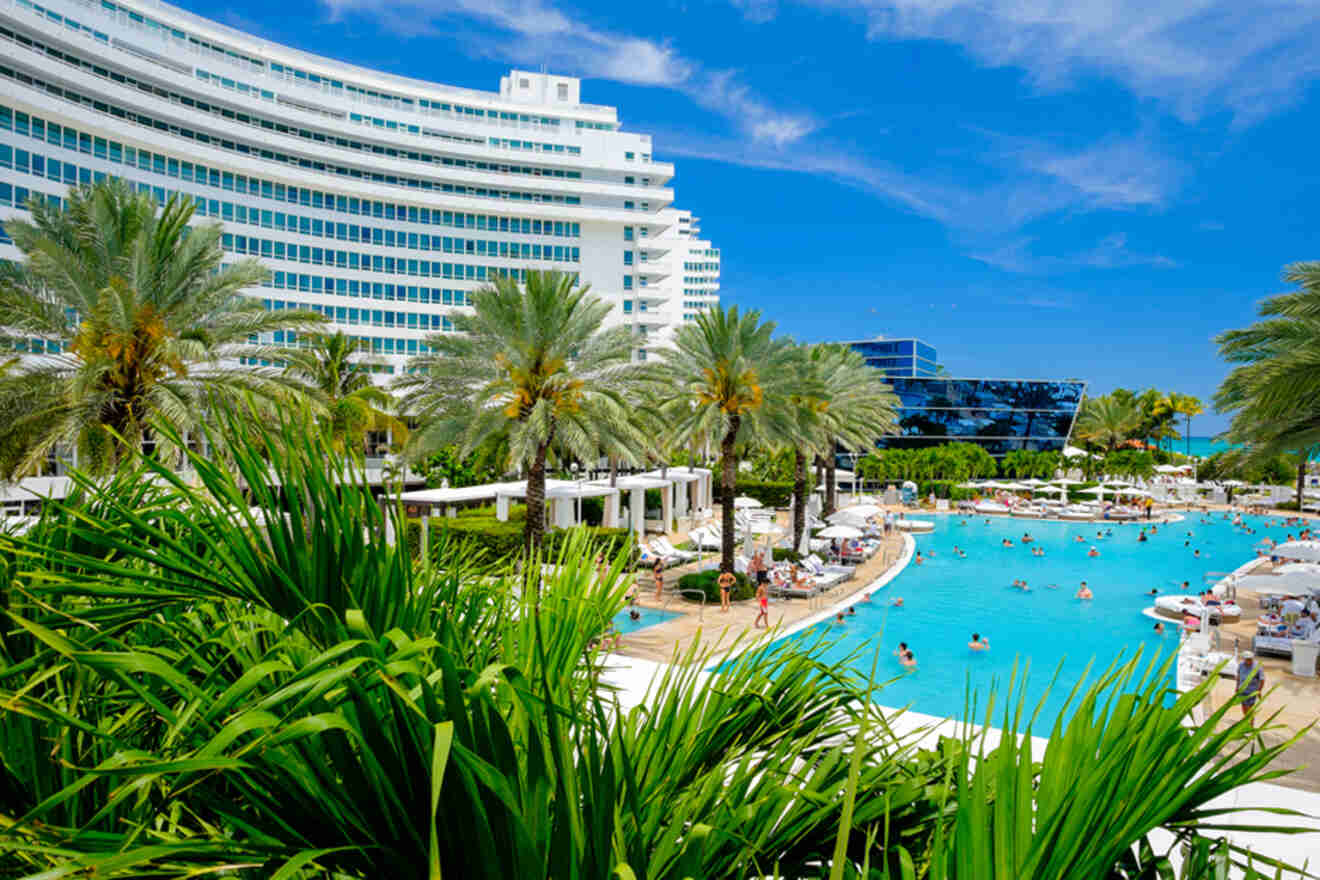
[[1064, 481], [744, 502], [1280, 584], [1134, 492], [1117, 484], [1311, 568], [1234, 483], [845, 518], [1015, 487], [862, 510], [1171, 468], [1094, 490], [839, 531], [1302, 551], [1073, 452], [1031, 481], [1054, 490], [969, 485]]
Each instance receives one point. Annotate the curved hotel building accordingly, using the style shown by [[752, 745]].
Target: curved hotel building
[[377, 200]]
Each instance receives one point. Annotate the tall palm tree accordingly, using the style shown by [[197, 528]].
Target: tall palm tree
[[1187, 406], [127, 317], [335, 369], [1107, 422], [728, 377], [531, 361], [1271, 393], [856, 408]]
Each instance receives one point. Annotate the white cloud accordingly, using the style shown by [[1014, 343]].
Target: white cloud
[[1111, 252], [531, 32], [1196, 56]]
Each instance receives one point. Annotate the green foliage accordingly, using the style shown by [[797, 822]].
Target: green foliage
[[499, 540], [1024, 463], [785, 554], [708, 582], [1276, 470], [1129, 463], [445, 464], [770, 494], [159, 326], [950, 461], [1108, 421]]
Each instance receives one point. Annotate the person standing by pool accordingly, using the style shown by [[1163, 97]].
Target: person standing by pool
[[725, 581], [1250, 681], [979, 644], [659, 571], [763, 601]]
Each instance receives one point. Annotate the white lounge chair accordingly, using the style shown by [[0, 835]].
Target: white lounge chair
[[664, 545]]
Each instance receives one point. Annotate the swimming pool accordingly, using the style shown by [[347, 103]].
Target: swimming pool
[[624, 624], [947, 598]]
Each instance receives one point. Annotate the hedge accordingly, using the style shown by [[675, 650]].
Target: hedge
[[506, 538], [708, 582]]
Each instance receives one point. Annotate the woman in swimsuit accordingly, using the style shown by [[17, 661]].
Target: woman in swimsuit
[[726, 581]]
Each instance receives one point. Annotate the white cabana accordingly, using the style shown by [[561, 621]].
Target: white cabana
[[636, 485], [693, 488]]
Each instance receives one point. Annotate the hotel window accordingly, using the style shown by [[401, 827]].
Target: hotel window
[[628, 156], [627, 282], [627, 307], [627, 206], [629, 180], [627, 233], [563, 91], [627, 258]]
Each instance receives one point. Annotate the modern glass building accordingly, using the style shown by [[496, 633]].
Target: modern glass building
[[1002, 415], [898, 357], [377, 200]]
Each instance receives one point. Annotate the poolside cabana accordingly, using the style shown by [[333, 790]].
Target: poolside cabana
[[636, 485], [694, 488], [561, 498]]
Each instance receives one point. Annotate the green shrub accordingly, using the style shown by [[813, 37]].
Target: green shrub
[[771, 494], [785, 554], [708, 582], [505, 538]]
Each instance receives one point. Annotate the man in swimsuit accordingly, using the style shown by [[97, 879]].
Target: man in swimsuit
[[726, 582], [908, 660], [979, 644], [1084, 592], [763, 600]]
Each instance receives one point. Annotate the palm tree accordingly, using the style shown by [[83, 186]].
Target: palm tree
[[1272, 390], [1106, 422], [336, 372], [728, 377], [531, 361], [1187, 406], [134, 321]]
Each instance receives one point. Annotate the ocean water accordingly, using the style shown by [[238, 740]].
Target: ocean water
[[947, 598], [1201, 447]]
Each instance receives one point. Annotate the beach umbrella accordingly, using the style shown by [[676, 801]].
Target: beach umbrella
[[1117, 484], [862, 510], [1014, 487], [840, 531], [1056, 490], [1032, 481], [1064, 481], [844, 517], [1311, 568], [1279, 584], [1138, 493], [1304, 551], [743, 502]]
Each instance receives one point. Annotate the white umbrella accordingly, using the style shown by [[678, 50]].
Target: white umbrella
[[1139, 493], [839, 531], [1279, 584], [744, 502], [1172, 468], [1032, 481], [1073, 452], [804, 546], [1015, 487], [1311, 568], [1305, 551], [862, 510], [1064, 481], [1233, 483], [847, 518], [1057, 490], [1094, 490], [749, 542], [1117, 484], [969, 485]]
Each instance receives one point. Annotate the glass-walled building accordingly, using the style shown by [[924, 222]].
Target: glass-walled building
[[1002, 415], [898, 357]]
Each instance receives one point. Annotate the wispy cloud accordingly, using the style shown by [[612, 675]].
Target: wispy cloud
[[532, 32], [759, 11], [1196, 56], [1111, 252]]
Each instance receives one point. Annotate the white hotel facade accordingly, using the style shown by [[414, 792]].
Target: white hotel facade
[[377, 200]]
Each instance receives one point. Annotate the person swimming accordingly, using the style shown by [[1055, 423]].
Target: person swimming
[[1196, 554], [897, 602], [1006, 543], [1159, 629], [1153, 592], [919, 560], [1093, 552], [851, 611], [901, 649], [1084, 592], [1141, 539], [1079, 540], [908, 659], [838, 618], [866, 597], [979, 644], [634, 614]]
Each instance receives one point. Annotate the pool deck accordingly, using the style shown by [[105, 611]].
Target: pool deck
[[641, 657]]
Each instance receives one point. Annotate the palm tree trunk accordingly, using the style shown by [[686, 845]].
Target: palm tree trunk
[[830, 465], [728, 473], [820, 471], [534, 526], [692, 453], [1189, 434], [1302, 456], [799, 496]]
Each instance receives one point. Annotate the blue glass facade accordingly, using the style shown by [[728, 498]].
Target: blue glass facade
[[898, 357], [1001, 415]]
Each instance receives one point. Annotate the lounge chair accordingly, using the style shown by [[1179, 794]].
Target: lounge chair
[[1278, 645], [663, 544]]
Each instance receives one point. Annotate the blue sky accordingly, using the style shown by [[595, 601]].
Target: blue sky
[[1052, 188]]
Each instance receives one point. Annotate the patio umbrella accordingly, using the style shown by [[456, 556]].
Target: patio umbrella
[[1304, 551], [1064, 481], [1279, 584], [743, 502], [862, 510], [844, 517], [1298, 568], [1138, 493], [1098, 491], [1015, 487], [1032, 481], [839, 531], [804, 546], [1057, 490]]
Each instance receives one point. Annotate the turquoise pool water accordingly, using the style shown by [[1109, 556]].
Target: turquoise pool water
[[624, 623], [947, 598]]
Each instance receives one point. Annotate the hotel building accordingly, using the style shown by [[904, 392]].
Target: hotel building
[[1001, 415], [379, 201]]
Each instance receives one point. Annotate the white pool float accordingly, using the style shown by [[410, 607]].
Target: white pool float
[[914, 525], [990, 507]]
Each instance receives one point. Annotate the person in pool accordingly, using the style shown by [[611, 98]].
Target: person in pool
[[851, 611], [634, 614], [838, 618], [1006, 543], [1153, 592], [897, 602], [1141, 539], [1196, 554], [1079, 540], [1026, 538], [866, 597], [979, 644], [1084, 592], [901, 650], [1159, 629], [919, 559], [1093, 552], [908, 660]]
